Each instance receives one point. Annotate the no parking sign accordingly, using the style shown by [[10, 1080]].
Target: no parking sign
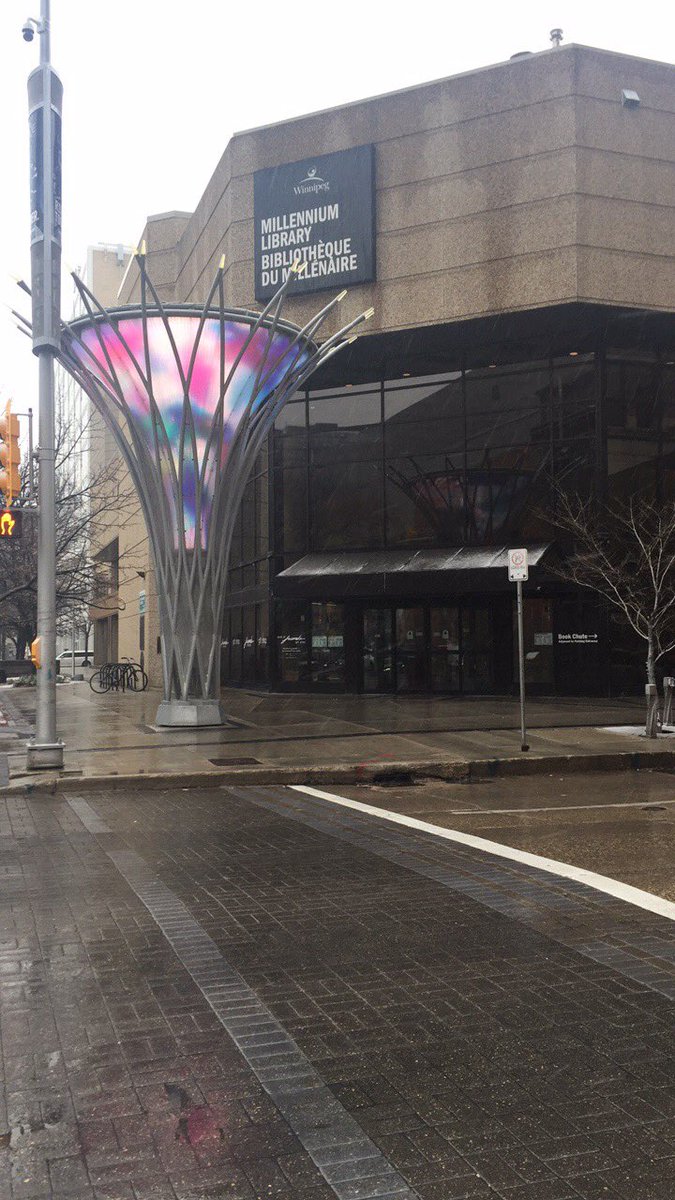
[[518, 566]]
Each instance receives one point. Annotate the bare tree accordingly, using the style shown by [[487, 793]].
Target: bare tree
[[88, 503], [625, 552]]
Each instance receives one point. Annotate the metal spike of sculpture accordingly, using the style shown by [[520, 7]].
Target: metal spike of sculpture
[[190, 395]]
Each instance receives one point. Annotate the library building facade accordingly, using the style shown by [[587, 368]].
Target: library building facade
[[513, 229]]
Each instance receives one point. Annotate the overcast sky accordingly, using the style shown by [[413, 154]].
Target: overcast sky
[[153, 90]]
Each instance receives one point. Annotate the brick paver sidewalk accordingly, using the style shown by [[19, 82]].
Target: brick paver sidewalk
[[249, 993]]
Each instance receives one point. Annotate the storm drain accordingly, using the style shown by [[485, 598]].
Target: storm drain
[[235, 762], [394, 779]]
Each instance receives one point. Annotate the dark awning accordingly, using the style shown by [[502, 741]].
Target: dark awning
[[400, 572]]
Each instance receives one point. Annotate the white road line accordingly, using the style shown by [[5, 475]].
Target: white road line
[[601, 883], [493, 812]]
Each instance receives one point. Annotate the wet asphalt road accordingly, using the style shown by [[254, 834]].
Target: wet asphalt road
[[253, 993], [618, 824]]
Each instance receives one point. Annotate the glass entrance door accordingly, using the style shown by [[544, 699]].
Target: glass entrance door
[[444, 646], [477, 649], [410, 650], [378, 651]]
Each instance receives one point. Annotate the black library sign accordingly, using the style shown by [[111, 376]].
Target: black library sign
[[319, 212]]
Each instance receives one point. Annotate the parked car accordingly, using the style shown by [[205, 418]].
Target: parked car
[[64, 660]]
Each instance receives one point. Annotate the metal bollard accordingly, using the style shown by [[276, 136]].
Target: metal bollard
[[652, 722], [668, 689]]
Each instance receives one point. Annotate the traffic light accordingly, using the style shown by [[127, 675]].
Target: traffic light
[[10, 456], [10, 523], [36, 652]]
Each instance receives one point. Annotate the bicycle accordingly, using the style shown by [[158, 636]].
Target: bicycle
[[119, 676]]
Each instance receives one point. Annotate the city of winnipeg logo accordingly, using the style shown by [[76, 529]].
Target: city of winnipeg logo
[[312, 184]]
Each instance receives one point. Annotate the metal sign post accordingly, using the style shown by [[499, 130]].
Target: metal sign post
[[518, 573], [44, 121]]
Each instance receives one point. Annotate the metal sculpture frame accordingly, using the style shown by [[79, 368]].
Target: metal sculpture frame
[[191, 582]]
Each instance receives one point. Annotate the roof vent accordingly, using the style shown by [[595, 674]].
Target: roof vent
[[556, 36], [629, 98], [520, 54]]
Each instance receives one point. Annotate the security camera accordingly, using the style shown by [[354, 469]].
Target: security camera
[[31, 26]]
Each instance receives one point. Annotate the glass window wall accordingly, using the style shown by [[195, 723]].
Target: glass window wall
[[347, 429], [262, 639], [225, 672], [347, 505], [503, 411], [248, 644], [464, 457], [424, 420], [291, 494], [640, 414], [537, 642], [426, 500], [328, 644], [235, 645], [293, 642], [289, 436]]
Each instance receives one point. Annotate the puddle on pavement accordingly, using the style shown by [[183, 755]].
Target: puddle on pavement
[[195, 1122], [24, 1130], [394, 779]]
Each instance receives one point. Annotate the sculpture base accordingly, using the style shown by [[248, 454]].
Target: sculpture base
[[176, 713], [44, 756]]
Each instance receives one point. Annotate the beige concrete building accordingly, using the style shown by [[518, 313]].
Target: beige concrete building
[[89, 444], [524, 222], [119, 539], [520, 185]]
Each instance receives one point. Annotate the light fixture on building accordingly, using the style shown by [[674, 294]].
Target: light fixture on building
[[492, 366], [629, 98], [574, 353], [406, 374]]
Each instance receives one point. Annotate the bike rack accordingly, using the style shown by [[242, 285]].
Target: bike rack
[[118, 676]]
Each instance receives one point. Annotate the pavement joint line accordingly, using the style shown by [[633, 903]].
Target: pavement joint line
[[601, 883], [329, 1128], [496, 812], [326, 735]]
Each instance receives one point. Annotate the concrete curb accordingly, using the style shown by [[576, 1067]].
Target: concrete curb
[[452, 770]]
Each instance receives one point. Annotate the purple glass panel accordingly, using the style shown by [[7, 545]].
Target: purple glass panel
[[186, 388]]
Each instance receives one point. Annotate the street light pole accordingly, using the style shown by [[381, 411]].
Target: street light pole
[[521, 664], [519, 572], [44, 118]]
